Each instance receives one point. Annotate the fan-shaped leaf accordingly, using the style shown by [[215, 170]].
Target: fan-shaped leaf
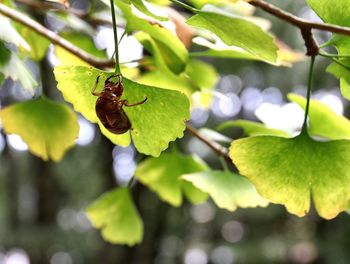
[[288, 171], [115, 214], [162, 175], [228, 190], [47, 127]]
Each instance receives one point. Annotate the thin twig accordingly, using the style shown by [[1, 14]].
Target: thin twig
[[56, 39], [220, 150]]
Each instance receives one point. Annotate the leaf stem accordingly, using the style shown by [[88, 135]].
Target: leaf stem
[[309, 88], [117, 66], [186, 6], [334, 57], [223, 163], [131, 181]]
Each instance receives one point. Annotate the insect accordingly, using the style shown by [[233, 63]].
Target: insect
[[109, 106]]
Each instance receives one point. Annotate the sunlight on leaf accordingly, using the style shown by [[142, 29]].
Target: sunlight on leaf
[[157, 32], [162, 175], [141, 6], [324, 122], [252, 128], [154, 124], [286, 171], [48, 128], [238, 32], [228, 190], [115, 214]]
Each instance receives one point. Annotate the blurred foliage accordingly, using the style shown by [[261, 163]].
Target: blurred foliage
[[42, 204]]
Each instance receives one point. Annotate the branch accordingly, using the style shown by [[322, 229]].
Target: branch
[[304, 25], [220, 150], [297, 21], [56, 39]]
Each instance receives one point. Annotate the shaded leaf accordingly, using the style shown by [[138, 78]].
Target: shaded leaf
[[342, 72], [82, 41], [5, 54], [203, 74], [324, 122], [115, 214], [251, 128], [228, 190], [238, 32], [17, 71], [286, 171], [38, 44], [154, 124], [48, 128], [162, 175]]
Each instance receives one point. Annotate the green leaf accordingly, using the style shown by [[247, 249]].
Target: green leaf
[[162, 76], [287, 171], [5, 54], [336, 12], [228, 190], [251, 128], [162, 175], [324, 122], [82, 41], [48, 128], [342, 72], [38, 44], [238, 32], [140, 5], [332, 11], [17, 71], [175, 48], [115, 214], [154, 124], [202, 74]]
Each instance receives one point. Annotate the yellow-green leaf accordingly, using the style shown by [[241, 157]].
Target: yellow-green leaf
[[48, 128], [288, 171], [115, 214], [163, 176], [228, 190], [324, 122], [155, 123]]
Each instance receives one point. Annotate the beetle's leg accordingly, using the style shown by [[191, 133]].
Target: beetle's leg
[[115, 75], [95, 86], [125, 102]]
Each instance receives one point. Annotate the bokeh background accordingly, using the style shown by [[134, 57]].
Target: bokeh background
[[42, 204]]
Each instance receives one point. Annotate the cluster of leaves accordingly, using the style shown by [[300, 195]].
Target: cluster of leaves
[[274, 166]]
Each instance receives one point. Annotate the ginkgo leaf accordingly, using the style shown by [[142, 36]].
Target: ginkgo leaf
[[38, 44], [238, 32], [288, 171], [324, 122], [162, 35], [5, 54], [228, 190], [115, 214], [336, 12], [342, 72], [155, 123], [141, 6], [162, 175], [9, 34], [48, 128], [17, 71], [252, 128]]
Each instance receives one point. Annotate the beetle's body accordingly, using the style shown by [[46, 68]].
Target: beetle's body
[[111, 114], [109, 106]]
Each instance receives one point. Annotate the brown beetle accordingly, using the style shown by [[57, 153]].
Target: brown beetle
[[109, 106]]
